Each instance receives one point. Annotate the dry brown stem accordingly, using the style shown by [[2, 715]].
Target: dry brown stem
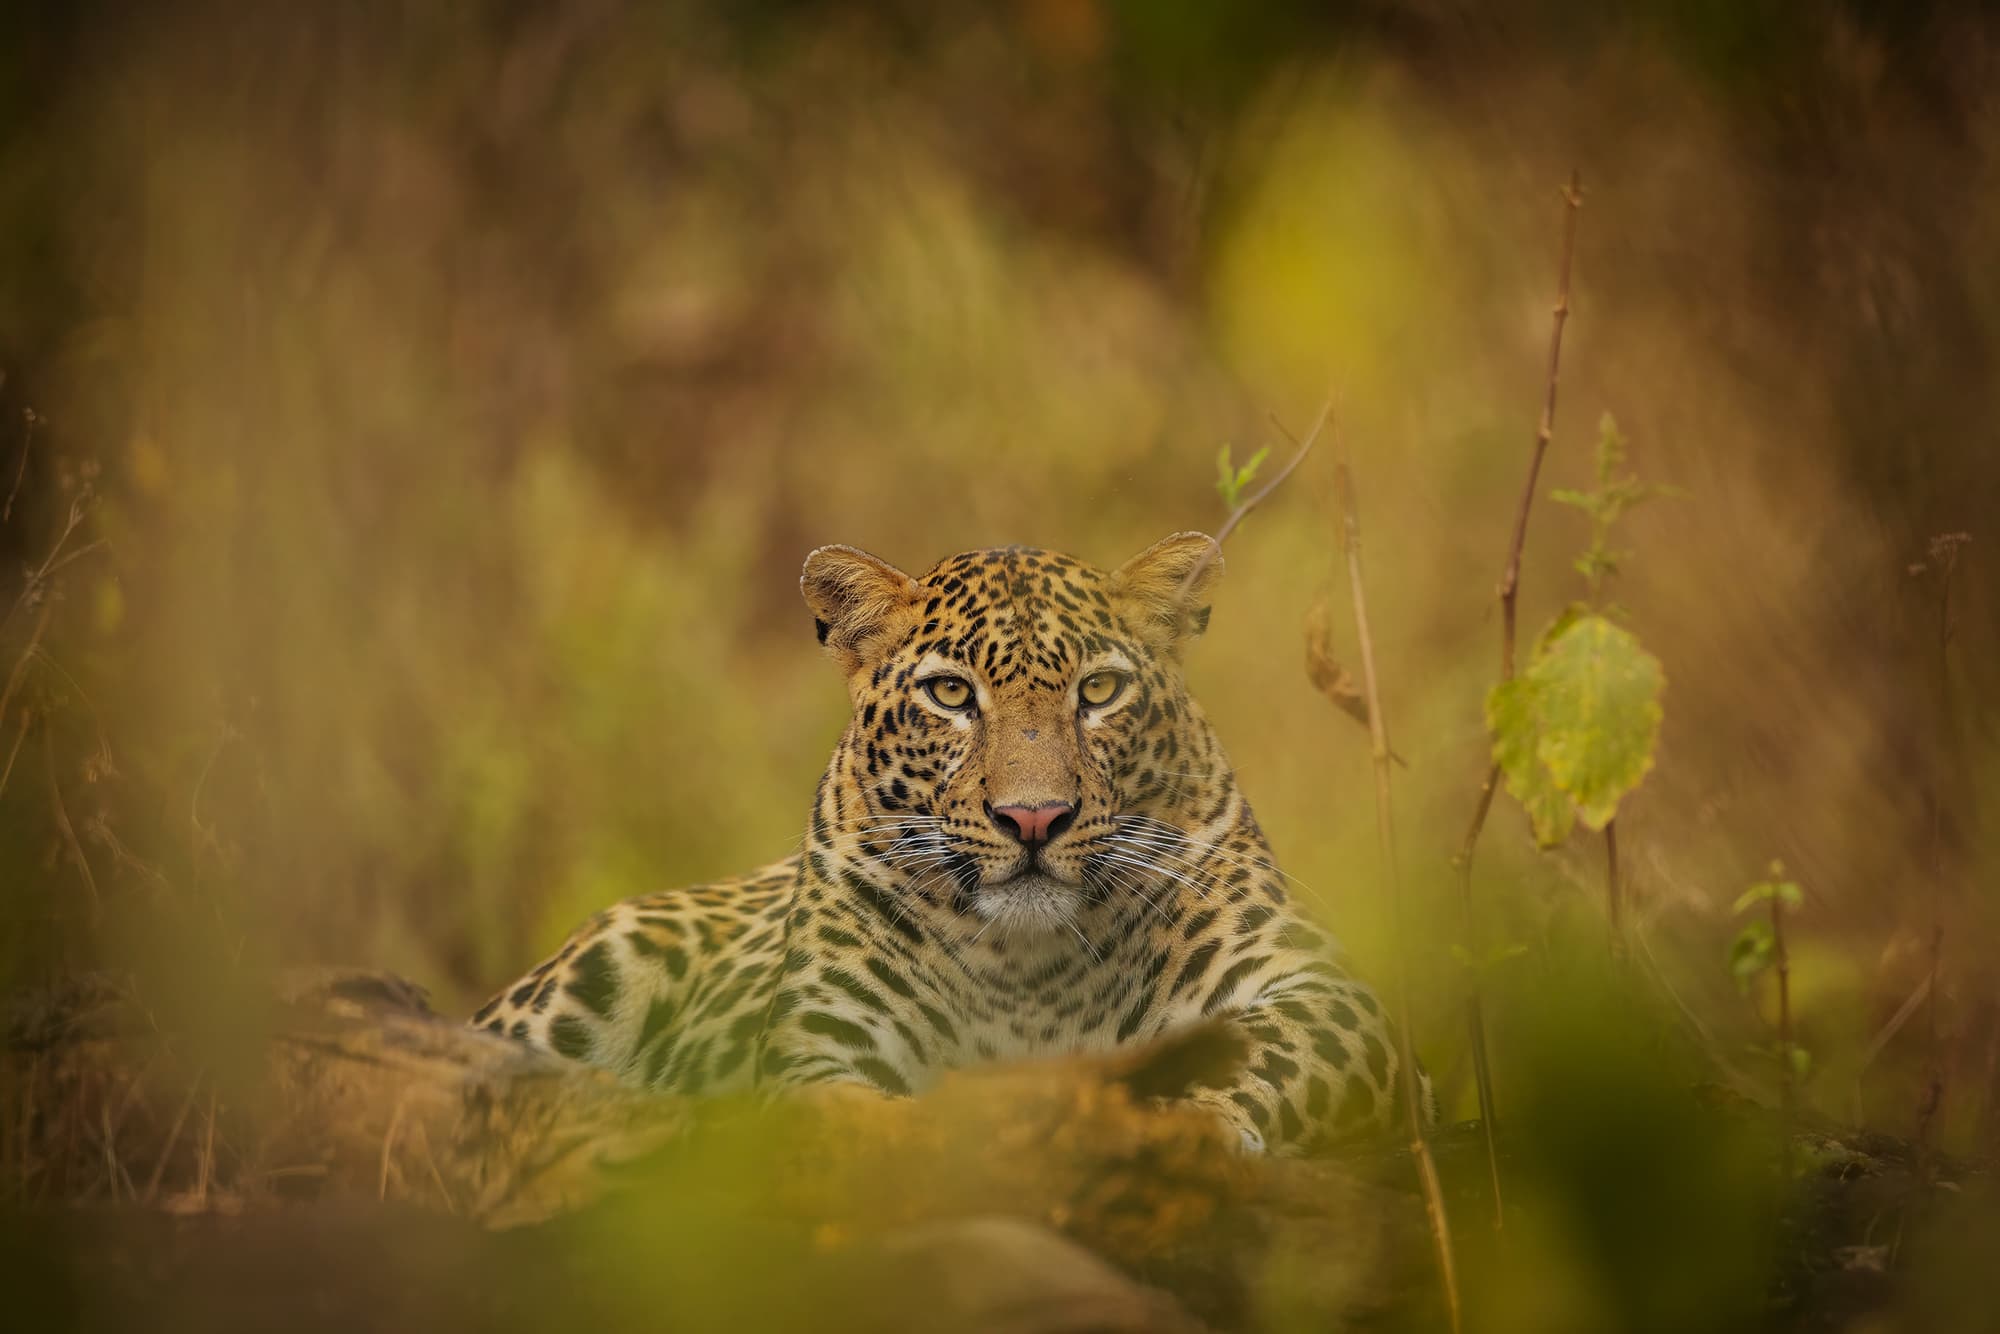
[[1385, 833], [21, 469], [27, 655], [1509, 587], [1510, 574]]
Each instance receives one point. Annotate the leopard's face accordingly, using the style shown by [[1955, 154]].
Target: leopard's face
[[1022, 736]]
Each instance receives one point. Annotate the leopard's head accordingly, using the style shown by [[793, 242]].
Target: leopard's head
[[1022, 741]]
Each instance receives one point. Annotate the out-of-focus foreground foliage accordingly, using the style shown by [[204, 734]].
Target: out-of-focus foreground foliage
[[445, 396]]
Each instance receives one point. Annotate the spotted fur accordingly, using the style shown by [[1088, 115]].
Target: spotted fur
[[922, 929]]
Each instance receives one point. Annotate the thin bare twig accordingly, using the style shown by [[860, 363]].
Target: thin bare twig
[[1251, 502], [27, 447], [1509, 587], [451, 1205], [107, 1139], [173, 1139], [1787, 1094], [20, 671], [63, 821], [89, 548], [1385, 832], [34, 585], [206, 1175], [389, 1149], [20, 735], [14, 679], [1510, 574]]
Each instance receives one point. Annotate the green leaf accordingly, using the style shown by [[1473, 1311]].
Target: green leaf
[[1786, 892], [1595, 693], [1248, 471], [1583, 500], [1514, 720], [1750, 953], [1751, 897], [1230, 480], [1801, 1060]]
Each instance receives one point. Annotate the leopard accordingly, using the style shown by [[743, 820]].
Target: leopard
[[1028, 842]]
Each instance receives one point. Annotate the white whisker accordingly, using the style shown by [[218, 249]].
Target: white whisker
[[1127, 859], [1158, 832]]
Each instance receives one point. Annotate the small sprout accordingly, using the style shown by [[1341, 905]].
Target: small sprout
[[1613, 496], [1230, 481], [1760, 948]]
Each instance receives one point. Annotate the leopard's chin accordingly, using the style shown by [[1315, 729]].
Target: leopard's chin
[[1031, 903]]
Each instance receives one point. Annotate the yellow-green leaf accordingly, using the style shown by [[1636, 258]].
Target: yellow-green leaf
[[1596, 693], [1514, 721]]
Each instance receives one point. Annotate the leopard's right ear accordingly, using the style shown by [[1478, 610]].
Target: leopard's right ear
[[854, 598]]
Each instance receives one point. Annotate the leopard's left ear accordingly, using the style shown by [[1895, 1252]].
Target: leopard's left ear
[[854, 598], [1170, 581]]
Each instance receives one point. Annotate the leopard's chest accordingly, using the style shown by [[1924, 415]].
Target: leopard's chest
[[1058, 1001]]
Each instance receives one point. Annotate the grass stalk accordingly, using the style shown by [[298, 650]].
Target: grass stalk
[[1385, 833]]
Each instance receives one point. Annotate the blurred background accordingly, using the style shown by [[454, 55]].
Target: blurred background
[[414, 417]]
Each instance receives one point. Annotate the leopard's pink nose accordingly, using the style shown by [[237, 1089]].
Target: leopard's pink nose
[[1034, 825]]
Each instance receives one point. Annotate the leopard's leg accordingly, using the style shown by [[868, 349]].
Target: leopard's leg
[[668, 990], [863, 1017], [1322, 1065]]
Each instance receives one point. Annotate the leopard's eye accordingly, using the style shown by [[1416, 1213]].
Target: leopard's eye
[[1100, 688], [950, 692]]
